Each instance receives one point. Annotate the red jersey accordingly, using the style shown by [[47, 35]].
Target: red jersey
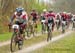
[[34, 14], [51, 15]]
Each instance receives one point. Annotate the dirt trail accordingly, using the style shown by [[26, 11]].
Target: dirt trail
[[42, 44], [8, 42]]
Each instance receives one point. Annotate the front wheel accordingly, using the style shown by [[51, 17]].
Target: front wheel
[[49, 35], [13, 43], [73, 27], [63, 28], [43, 28]]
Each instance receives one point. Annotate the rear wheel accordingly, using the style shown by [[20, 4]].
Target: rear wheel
[[20, 44], [20, 41]]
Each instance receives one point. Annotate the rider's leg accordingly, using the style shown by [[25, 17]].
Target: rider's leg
[[53, 26], [22, 31]]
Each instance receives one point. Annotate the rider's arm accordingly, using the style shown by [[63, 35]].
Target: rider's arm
[[25, 18], [12, 18], [31, 15], [54, 17], [37, 16], [42, 16]]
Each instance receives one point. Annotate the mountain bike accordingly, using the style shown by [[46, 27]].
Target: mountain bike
[[30, 28], [58, 24], [49, 31], [43, 26], [17, 38], [73, 27], [63, 26]]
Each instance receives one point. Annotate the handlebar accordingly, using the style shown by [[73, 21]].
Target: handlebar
[[9, 26]]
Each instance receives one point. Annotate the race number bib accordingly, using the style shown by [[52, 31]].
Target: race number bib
[[57, 20], [15, 26], [73, 21], [43, 21], [63, 22], [50, 26]]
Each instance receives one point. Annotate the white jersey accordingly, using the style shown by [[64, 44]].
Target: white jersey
[[22, 17]]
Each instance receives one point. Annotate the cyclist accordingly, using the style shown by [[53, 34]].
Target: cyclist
[[68, 19], [43, 19], [63, 16], [44, 14], [58, 20], [51, 18], [73, 21], [20, 16], [34, 15], [50, 23], [70, 15], [64, 21]]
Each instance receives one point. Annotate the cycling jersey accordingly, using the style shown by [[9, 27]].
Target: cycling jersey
[[20, 18], [50, 17], [34, 16], [64, 17], [44, 15]]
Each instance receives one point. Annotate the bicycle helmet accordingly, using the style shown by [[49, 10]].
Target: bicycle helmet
[[19, 9]]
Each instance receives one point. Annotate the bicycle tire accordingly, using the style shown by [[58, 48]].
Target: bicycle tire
[[12, 42]]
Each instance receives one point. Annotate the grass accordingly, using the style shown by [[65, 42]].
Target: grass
[[66, 45], [5, 37]]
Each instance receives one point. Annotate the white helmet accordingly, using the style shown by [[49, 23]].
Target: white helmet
[[58, 13], [69, 13], [64, 12], [44, 10], [73, 15]]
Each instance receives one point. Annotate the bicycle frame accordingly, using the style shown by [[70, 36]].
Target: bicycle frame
[[16, 37], [50, 26], [63, 26], [49, 31]]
